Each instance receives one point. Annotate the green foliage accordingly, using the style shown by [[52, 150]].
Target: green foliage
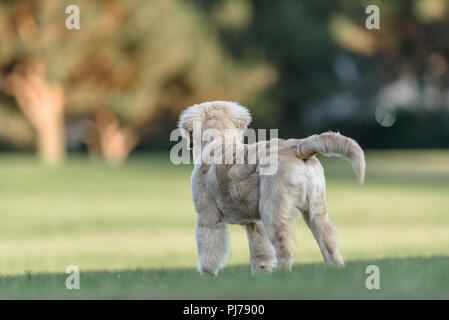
[[299, 39], [412, 129], [135, 58], [147, 60]]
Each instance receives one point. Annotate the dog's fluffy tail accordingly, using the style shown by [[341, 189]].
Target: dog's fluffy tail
[[334, 144]]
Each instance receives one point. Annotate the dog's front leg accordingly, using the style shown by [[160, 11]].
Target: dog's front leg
[[212, 243]]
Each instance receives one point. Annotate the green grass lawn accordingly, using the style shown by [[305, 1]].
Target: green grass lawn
[[138, 222], [409, 278]]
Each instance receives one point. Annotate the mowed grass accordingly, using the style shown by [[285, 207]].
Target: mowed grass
[[137, 221], [410, 278]]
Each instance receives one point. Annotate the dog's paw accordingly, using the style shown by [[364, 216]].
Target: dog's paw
[[335, 264], [207, 272], [284, 265], [336, 261], [262, 266]]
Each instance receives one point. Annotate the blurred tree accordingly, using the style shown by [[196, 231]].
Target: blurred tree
[[106, 137], [411, 37], [42, 105], [322, 51], [133, 58], [133, 65], [294, 37]]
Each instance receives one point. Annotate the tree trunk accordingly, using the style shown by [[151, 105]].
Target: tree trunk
[[51, 144], [113, 141], [43, 105]]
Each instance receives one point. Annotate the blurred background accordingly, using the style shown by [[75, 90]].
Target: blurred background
[[85, 119]]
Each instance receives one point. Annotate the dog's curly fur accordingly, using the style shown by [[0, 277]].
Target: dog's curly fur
[[264, 204]]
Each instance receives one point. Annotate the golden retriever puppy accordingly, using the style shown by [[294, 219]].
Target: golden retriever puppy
[[233, 192]]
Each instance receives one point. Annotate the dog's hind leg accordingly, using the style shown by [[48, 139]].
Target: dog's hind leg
[[212, 243], [318, 221], [276, 215], [262, 253]]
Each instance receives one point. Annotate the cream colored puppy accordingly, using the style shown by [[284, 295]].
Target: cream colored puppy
[[264, 204]]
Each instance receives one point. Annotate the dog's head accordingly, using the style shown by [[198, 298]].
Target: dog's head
[[218, 115]]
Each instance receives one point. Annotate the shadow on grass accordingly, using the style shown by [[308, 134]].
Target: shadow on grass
[[405, 278]]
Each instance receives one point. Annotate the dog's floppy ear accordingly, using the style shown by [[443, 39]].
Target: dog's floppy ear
[[240, 116], [186, 120], [188, 135]]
